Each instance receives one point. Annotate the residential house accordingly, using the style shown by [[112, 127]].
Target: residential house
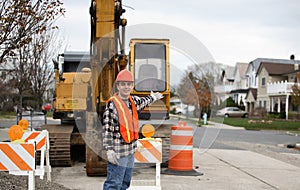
[[263, 84], [271, 84], [225, 85], [233, 83], [239, 91]]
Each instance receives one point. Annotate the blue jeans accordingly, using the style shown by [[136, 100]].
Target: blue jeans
[[119, 176]]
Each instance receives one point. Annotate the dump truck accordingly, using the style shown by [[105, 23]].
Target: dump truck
[[84, 82]]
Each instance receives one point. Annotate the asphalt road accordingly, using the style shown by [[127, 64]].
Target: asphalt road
[[272, 138], [37, 121]]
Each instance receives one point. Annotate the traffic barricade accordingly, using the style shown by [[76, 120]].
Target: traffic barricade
[[19, 159], [41, 138], [149, 150]]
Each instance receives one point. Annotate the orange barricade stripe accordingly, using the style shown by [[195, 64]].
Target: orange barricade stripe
[[37, 136], [29, 149], [2, 168], [140, 157], [15, 158], [41, 143], [33, 135], [151, 149]]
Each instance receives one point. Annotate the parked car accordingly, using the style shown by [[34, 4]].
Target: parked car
[[232, 112], [177, 107]]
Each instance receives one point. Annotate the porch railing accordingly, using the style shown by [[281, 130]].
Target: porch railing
[[280, 88]]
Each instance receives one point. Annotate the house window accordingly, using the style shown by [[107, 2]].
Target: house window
[[294, 108], [265, 104], [259, 103], [263, 81]]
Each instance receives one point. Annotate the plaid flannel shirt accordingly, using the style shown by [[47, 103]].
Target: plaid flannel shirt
[[112, 139]]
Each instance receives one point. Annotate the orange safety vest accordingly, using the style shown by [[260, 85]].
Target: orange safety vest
[[128, 122]]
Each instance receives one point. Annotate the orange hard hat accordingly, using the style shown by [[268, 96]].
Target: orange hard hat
[[15, 132], [24, 123], [124, 75]]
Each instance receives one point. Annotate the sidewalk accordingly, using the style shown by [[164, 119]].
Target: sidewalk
[[210, 124], [222, 169], [4, 134]]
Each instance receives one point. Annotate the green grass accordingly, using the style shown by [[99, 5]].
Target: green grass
[[295, 132], [292, 126], [259, 125], [8, 115]]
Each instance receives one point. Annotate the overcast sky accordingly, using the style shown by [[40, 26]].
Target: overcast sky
[[232, 30]]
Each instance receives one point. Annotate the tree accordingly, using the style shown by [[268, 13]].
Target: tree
[[186, 91], [22, 19], [43, 48], [202, 88], [195, 91], [229, 102], [19, 75], [6, 92], [33, 72], [295, 94]]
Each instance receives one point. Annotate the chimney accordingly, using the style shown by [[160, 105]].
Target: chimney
[[296, 66], [292, 57]]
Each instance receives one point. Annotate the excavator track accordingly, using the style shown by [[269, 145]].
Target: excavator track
[[60, 144]]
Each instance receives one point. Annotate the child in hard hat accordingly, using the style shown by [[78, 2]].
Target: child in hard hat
[[120, 124]]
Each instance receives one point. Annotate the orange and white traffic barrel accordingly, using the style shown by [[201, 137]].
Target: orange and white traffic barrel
[[181, 148]]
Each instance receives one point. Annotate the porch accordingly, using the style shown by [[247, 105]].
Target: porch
[[280, 96]]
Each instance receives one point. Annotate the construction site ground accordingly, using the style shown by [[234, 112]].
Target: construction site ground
[[232, 169]]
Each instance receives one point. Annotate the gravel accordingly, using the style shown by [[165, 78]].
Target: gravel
[[13, 182]]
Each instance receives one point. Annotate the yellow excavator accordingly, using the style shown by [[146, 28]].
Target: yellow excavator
[[84, 82]]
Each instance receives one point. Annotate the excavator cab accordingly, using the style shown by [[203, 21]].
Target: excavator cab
[[149, 63]]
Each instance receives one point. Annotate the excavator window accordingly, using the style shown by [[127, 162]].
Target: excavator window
[[75, 61], [150, 67]]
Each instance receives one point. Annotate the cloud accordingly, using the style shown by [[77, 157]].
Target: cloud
[[232, 30]]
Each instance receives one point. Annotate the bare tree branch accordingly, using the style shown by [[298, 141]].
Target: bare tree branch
[[21, 19]]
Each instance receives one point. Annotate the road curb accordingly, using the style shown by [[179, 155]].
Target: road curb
[[296, 146]]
